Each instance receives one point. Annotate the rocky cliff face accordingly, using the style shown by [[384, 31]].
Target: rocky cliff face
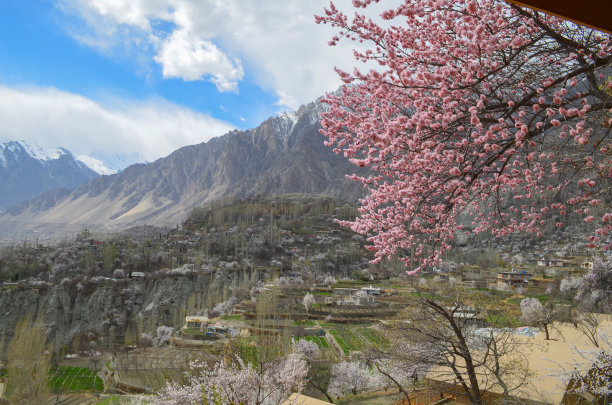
[[70, 310], [285, 154]]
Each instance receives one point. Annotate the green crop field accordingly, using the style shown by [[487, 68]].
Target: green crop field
[[347, 340], [319, 340], [67, 378], [304, 322], [373, 336]]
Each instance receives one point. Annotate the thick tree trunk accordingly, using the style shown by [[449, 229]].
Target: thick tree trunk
[[474, 390]]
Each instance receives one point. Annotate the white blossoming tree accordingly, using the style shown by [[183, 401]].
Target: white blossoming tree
[[308, 301], [238, 383], [350, 377], [534, 313]]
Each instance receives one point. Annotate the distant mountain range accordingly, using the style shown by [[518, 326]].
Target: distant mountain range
[[285, 154], [27, 171]]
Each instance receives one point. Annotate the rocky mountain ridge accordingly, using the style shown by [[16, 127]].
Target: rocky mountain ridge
[[285, 154]]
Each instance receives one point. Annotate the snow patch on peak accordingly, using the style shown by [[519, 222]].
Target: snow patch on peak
[[96, 165], [285, 124], [33, 150], [291, 118], [117, 161], [39, 153]]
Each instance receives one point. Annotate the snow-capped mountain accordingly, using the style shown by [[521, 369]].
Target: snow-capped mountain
[[28, 170]]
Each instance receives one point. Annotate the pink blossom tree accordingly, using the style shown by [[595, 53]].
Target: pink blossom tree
[[477, 108]]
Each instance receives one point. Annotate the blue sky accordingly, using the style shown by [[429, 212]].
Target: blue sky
[[149, 76]]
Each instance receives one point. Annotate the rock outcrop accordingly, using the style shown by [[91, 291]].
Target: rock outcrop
[[72, 309]]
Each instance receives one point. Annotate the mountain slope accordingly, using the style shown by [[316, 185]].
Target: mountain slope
[[284, 154], [27, 171]]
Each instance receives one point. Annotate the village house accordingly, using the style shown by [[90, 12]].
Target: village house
[[208, 329], [587, 266], [220, 329], [372, 290], [514, 278], [344, 291], [548, 262], [353, 299], [195, 321]]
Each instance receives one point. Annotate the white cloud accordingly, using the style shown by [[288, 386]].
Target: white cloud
[[189, 58], [52, 118], [285, 51]]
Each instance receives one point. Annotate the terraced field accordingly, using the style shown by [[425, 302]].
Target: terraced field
[[347, 339], [319, 340], [371, 335], [75, 399], [150, 368]]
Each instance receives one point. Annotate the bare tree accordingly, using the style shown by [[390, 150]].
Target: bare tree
[[588, 323], [27, 364], [442, 337], [395, 368], [319, 377], [272, 331]]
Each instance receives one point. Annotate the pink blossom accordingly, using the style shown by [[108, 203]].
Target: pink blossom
[[449, 124]]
